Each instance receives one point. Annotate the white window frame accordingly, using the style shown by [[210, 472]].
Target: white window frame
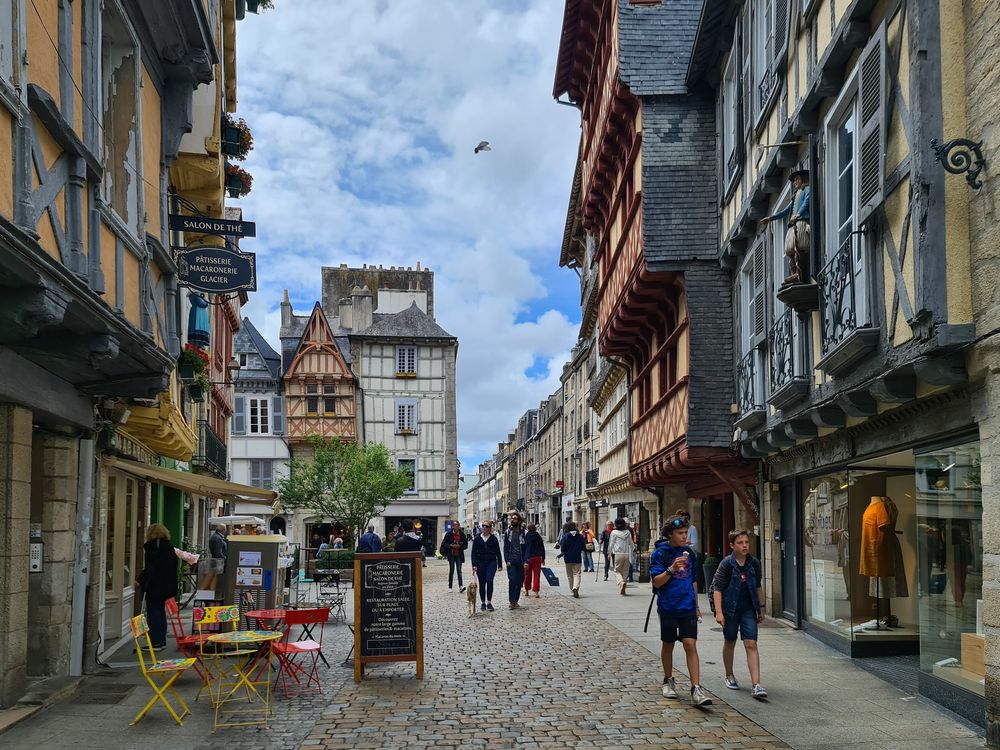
[[258, 415], [405, 416], [406, 361], [731, 130], [415, 488], [763, 34]]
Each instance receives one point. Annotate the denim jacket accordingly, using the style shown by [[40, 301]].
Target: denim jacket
[[728, 582]]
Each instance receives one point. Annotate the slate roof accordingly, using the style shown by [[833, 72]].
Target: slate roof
[[655, 43], [271, 357], [411, 323]]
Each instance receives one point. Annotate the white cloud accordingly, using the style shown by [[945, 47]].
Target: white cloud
[[364, 118]]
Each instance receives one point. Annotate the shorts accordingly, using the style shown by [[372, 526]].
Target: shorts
[[744, 622], [673, 628]]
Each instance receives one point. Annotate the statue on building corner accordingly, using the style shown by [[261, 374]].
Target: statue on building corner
[[797, 237]]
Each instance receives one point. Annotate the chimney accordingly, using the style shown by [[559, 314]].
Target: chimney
[[286, 311], [346, 316], [361, 309]]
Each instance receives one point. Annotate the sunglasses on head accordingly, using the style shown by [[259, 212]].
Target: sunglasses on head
[[679, 523]]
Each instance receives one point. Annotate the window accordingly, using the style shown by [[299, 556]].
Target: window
[[261, 473], [752, 295], [329, 399], [7, 41], [120, 117], [259, 413], [406, 416], [406, 361], [243, 359], [770, 42], [312, 400], [409, 465], [730, 114]]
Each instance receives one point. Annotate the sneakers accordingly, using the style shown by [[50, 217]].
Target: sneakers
[[461, 589], [160, 648], [515, 605], [537, 594], [489, 606], [731, 682], [669, 687], [758, 692], [698, 697], [483, 607], [576, 593]]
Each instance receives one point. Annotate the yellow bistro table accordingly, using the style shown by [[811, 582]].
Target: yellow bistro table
[[239, 698]]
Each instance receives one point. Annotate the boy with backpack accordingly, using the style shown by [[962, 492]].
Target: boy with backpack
[[739, 607], [673, 567]]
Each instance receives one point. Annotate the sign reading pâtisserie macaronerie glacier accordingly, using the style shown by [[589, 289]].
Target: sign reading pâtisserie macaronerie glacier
[[217, 269]]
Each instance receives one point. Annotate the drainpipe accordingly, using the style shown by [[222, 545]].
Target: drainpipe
[[84, 547]]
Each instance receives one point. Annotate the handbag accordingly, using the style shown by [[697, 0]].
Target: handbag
[[589, 546]]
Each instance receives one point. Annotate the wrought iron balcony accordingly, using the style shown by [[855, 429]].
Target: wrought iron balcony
[[750, 391], [782, 351], [765, 88], [593, 478], [211, 452], [838, 297]]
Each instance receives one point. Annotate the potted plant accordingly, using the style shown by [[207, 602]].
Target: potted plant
[[192, 362], [238, 181], [197, 389], [237, 140]]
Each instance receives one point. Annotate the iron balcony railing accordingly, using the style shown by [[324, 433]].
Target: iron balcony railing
[[593, 478], [747, 387], [782, 351], [765, 88], [838, 297], [211, 450]]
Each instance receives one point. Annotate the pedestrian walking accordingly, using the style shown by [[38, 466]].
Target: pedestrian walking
[[410, 540], [158, 581], [588, 548], [514, 554], [604, 540], [571, 544], [370, 541], [632, 561], [620, 548], [453, 548], [486, 561], [673, 568], [739, 607], [534, 550]]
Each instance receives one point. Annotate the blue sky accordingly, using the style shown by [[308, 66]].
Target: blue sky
[[364, 115]]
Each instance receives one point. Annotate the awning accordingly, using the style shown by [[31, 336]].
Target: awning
[[197, 484]]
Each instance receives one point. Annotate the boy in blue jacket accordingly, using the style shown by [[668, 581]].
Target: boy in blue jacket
[[674, 570]]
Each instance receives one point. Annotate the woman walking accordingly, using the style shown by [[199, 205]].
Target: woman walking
[[486, 561], [588, 548], [571, 543], [604, 540], [621, 547], [534, 551], [158, 581]]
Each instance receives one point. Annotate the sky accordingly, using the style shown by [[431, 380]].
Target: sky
[[364, 115]]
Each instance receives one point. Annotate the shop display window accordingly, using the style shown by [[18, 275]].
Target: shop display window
[[950, 574]]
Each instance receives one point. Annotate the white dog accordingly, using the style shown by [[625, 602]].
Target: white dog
[[470, 594]]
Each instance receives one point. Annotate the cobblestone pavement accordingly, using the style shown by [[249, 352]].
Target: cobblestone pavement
[[507, 679]]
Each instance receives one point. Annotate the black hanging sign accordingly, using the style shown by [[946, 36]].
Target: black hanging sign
[[388, 610], [203, 225], [217, 269]]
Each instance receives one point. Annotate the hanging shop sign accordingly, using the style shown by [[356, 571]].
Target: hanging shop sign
[[221, 227], [217, 269]]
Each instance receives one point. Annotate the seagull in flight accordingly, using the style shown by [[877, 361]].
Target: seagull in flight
[[483, 146]]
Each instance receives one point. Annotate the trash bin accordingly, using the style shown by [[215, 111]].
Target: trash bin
[[643, 567]]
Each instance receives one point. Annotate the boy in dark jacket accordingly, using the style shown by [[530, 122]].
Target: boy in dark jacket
[[674, 570], [739, 608]]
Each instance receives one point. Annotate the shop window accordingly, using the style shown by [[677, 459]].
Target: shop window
[[950, 565]]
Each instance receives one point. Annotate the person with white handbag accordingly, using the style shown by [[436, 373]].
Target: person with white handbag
[[621, 548]]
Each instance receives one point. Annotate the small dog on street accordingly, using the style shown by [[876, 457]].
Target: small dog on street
[[470, 594]]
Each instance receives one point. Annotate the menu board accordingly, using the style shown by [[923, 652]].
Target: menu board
[[388, 623]]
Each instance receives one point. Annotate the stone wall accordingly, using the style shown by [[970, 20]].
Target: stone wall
[[982, 60]]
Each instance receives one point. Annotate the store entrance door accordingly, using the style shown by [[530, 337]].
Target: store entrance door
[[789, 541]]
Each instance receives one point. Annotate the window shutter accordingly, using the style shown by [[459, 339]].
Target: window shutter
[[240, 415], [278, 415], [782, 12], [872, 96], [759, 303], [411, 359], [400, 359], [746, 98], [255, 473]]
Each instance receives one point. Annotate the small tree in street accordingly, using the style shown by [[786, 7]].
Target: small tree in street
[[347, 482]]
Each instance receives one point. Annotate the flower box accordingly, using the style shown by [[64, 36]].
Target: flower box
[[185, 371]]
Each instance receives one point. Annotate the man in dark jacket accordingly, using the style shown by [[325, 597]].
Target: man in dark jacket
[[370, 541], [486, 561], [571, 543], [410, 541], [453, 547], [514, 554]]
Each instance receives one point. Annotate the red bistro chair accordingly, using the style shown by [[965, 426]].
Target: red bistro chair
[[188, 645], [290, 651]]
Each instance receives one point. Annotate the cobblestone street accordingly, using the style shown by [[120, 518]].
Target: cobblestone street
[[508, 679]]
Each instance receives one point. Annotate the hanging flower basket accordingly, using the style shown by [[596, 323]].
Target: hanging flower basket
[[238, 181], [196, 393], [237, 141], [192, 362]]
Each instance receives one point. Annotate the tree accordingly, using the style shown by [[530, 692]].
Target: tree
[[347, 482]]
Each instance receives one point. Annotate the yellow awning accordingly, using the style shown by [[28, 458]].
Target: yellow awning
[[162, 429], [197, 484]]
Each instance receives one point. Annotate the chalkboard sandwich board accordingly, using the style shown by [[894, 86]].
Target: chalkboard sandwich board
[[388, 610]]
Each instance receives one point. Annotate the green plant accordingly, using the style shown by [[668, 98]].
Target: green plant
[[194, 356], [201, 380]]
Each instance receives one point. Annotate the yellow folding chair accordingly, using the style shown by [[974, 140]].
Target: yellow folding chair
[[167, 670]]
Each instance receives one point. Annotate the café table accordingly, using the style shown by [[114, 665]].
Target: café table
[[266, 619], [253, 705]]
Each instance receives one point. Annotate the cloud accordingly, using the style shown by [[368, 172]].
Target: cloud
[[365, 115]]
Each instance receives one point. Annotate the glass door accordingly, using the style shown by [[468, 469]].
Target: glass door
[[122, 552], [789, 540]]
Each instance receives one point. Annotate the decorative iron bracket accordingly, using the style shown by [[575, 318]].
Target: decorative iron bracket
[[968, 158]]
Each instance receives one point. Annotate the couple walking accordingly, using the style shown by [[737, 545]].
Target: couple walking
[[524, 553]]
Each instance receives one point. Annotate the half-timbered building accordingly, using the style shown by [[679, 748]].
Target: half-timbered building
[[647, 200], [854, 317]]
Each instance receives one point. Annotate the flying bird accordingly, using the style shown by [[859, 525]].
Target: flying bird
[[483, 146]]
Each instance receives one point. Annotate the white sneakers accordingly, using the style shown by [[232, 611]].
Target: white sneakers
[[669, 688]]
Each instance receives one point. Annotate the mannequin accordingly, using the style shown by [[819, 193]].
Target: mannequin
[[882, 558]]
